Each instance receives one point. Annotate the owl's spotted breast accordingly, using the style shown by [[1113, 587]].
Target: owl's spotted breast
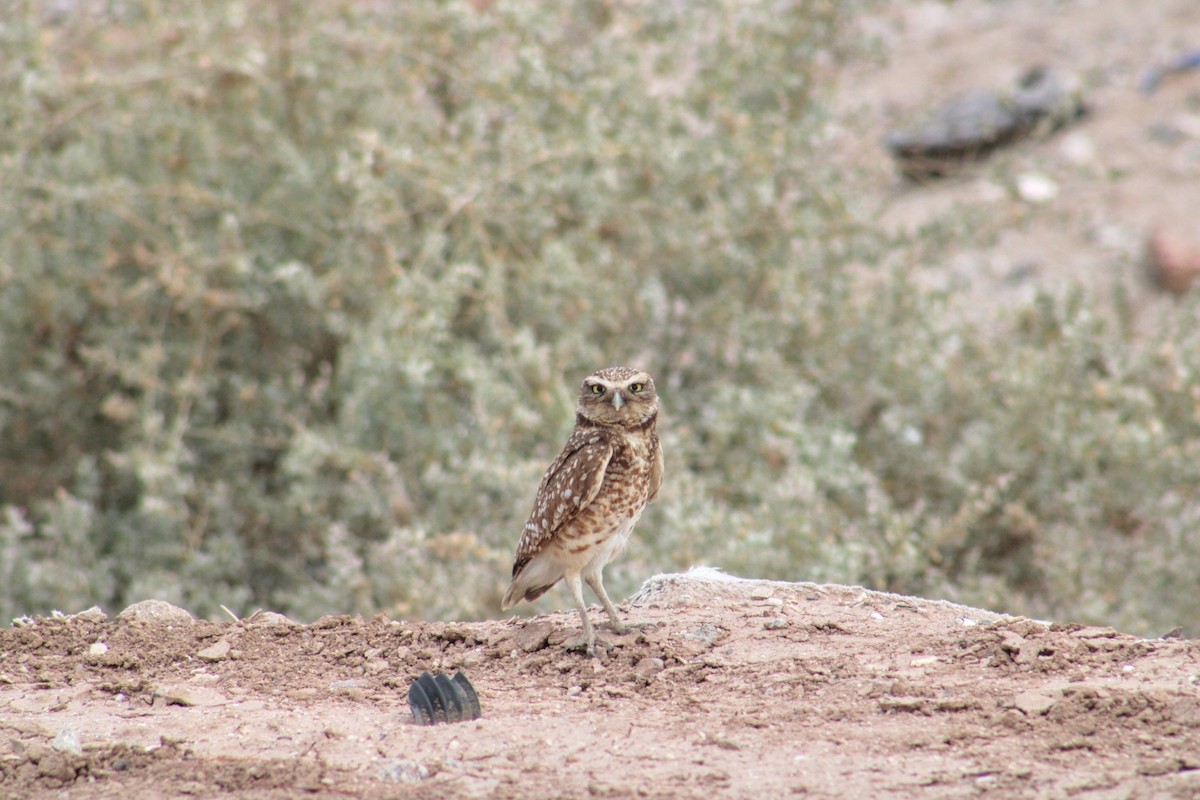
[[629, 466]]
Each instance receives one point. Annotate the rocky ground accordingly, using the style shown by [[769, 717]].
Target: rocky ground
[[731, 688]]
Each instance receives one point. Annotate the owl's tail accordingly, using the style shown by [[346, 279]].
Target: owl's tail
[[530, 583], [511, 597]]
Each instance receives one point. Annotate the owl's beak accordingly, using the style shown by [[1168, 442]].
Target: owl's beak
[[618, 400]]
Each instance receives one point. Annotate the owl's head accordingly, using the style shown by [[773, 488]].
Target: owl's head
[[618, 396]]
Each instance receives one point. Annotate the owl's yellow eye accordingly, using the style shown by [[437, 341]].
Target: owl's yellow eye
[[636, 388], [597, 389]]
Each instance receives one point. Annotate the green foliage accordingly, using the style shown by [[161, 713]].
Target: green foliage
[[294, 297]]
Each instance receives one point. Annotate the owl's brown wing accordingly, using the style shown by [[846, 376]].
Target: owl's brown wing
[[569, 485], [656, 469]]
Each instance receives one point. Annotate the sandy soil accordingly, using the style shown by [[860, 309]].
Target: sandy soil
[[731, 689]]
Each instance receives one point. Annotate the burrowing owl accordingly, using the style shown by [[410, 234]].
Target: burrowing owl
[[593, 494]]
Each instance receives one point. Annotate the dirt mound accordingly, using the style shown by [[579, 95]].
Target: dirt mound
[[730, 688]]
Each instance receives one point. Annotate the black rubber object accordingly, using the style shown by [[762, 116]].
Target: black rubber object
[[439, 698]]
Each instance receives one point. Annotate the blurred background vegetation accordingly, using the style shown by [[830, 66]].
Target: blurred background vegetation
[[295, 297]]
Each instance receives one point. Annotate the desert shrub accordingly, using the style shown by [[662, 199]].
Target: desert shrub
[[295, 298]]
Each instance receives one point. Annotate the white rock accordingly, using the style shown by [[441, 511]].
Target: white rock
[[67, 741], [1034, 187]]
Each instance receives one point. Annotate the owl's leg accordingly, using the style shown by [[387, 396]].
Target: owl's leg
[[596, 581], [588, 642]]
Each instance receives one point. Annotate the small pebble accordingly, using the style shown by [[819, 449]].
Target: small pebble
[[67, 741], [1033, 703], [217, 652], [1033, 187], [93, 614], [405, 771], [706, 634]]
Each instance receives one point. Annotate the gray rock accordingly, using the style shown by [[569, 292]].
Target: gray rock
[[155, 612], [972, 125], [707, 634], [405, 771]]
